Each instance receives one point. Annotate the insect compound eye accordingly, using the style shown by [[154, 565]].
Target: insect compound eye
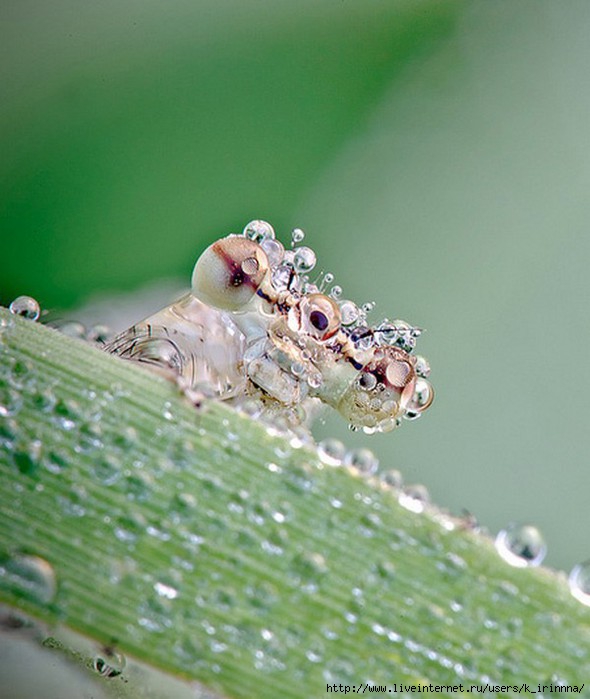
[[229, 273], [319, 320], [320, 316]]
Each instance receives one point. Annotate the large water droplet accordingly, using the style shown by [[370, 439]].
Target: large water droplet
[[521, 545], [26, 307], [31, 576], [579, 581]]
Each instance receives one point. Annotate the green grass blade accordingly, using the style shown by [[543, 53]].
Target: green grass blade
[[203, 544]]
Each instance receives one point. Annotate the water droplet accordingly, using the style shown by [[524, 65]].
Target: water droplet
[[44, 400], [5, 324], [32, 576], [98, 334], [126, 438], [421, 400], [521, 545], [8, 432], [10, 401], [407, 335], [336, 292], [362, 337], [28, 458], [26, 307], [363, 460], [331, 452], [392, 478], [297, 235], [386, 333], [167, 413], [166, 591], [414, 498], [67, 411], [274, 251], [422, 367], [579, 582], [107, 470], [109, 663], [367, 381], [304, 260], [258, 231], [308, 567], [55, 461]]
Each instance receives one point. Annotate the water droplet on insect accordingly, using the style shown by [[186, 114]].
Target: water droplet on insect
[[386, 334], [407, 335], [363, 460], [258, 231], [367, 381], [274, 251], [421, 399], [362, 337], [422, 367], [349, 312], [336, 292], [26, 307], [32, 576], [331, 452], [521, 545], [109, 663], [304, 260], [297, 235], [579, 582], [282, 277]]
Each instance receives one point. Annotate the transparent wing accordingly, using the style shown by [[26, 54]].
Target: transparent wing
[[199, 344]]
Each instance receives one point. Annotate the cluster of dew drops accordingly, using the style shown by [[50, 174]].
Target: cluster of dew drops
[[520, 545]]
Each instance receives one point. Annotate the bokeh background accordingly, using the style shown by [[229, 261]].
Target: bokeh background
[[437, 153]]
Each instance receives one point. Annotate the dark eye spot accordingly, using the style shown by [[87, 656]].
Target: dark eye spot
[[319, 320]]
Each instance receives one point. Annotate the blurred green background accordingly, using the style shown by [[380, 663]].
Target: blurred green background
[[437, 154]]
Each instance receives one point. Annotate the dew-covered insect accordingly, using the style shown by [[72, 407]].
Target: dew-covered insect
[[254, 329]]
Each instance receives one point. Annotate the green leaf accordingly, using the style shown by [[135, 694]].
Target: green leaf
[[203, 544]]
